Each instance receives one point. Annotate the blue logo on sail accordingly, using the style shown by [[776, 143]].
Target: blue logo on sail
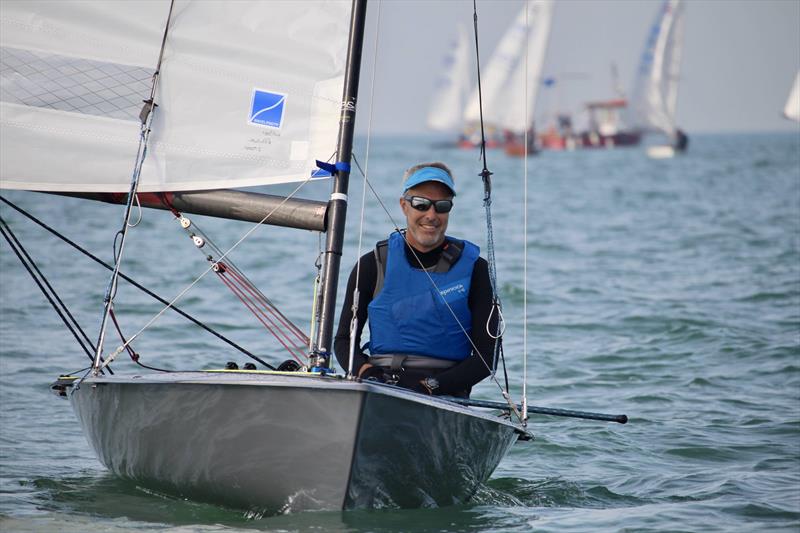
[[267, 109]]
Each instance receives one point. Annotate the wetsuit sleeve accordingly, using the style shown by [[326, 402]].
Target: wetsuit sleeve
[[475, 367], [366, 286]]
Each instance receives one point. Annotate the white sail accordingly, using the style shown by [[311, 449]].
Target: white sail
[[655, 93], [497, 73], [249, 92], [792, 108], [516, 115], [452, 86]]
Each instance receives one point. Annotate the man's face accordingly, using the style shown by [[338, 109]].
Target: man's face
[[426, 228]]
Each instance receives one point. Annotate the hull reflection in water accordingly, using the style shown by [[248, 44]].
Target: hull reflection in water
[[274, 442]]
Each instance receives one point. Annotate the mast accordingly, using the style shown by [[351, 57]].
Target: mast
[[337, 210]]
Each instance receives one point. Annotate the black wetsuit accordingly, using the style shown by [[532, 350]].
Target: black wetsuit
[[455, 380]]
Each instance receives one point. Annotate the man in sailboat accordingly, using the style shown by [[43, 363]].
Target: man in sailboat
[[426, 296]]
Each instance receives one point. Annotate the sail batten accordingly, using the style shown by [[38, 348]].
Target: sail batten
[[249, 93]]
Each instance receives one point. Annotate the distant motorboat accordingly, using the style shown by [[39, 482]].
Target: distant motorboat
[[605, 126]]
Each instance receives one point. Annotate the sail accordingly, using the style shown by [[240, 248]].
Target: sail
[[792, 108], [655, 94], [452, 86], [497, 73], [517, 113], [249, 92]]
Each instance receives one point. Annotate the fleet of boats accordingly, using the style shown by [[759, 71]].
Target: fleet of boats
[[514, 74]]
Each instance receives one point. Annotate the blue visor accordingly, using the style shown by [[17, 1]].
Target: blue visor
[[430, 174]]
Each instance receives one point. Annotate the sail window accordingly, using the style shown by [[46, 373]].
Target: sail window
[[75, 85]]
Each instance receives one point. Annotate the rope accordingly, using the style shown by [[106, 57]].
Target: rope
[[251, 299], [134, 283], [247, 292], [356, 296], [207, 270], [133, 355], [47, 290]]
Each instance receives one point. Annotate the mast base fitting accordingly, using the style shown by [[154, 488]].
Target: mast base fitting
[[318, 359]]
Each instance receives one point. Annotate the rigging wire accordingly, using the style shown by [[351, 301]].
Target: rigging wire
[[486, 174], [134, 283], [525, 233], [365, 173], [146, 118], [47, 290]]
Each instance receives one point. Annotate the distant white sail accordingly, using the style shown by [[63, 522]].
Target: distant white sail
[[249, 94], [516, 115], [655, 94], [497, 73], [792, 108], [452, 86]]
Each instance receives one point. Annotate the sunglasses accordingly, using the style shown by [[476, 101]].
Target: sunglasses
[[420, 203]]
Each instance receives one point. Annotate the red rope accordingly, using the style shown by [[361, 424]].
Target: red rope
[[133, 355], [268, 305], [271, 326]]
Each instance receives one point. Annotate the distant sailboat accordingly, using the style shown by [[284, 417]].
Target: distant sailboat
[[502, 92], [452, 86], [520, 95], [792, 108], [655, 93]]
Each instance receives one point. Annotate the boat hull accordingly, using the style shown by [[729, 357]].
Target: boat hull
[[276, 443]]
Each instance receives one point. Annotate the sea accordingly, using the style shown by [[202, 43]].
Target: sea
[[667, 290]]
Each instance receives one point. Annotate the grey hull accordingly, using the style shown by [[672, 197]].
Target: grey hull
[[274, 442]]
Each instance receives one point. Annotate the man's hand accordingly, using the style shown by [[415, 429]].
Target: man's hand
[[364, 368], [430, 386], [369, 372]]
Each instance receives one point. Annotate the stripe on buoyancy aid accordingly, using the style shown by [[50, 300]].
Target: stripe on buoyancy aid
[[409, 315]]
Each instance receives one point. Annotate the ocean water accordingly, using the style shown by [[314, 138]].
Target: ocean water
[[667, 290]]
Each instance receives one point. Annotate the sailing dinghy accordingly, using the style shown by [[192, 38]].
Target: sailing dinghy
[[655, 94], [274, 96], [791, 109], [507, 98]]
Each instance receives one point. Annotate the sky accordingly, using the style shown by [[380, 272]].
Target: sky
[[740, 58]]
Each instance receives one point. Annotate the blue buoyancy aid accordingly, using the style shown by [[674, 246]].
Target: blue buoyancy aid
[[409, 315]]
